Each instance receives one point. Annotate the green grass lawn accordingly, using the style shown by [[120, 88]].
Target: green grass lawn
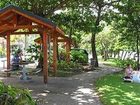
[[113, 91], [109, 62]]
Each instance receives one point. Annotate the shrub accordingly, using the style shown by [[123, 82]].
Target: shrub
[[71, 66], [79, 56], [122, 63], [12, 96]]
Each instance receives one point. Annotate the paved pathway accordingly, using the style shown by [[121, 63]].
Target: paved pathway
[[75, 90]]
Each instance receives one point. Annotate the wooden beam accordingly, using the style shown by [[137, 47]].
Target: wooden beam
[[38, 40], [4, 32], [33, 19], [62, 34], [15, 20], [17, 33], [68, 51], [4, 22], [60, 31], [5, 14], [7, 20], [8, 51], [45, 57], [55, 54], [23, 21], [18, 27], [61, 40]]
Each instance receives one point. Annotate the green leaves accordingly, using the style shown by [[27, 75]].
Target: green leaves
[[128, 23], [79, 56], [71, 66], [35, 52], [12, 96]]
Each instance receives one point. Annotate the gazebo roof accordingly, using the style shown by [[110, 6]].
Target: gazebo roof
[[13, 18], [31, 14]]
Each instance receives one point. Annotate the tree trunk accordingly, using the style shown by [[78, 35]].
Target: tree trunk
[[114, 56], [94, 32], [122, 55], [102, 53], [110, 54], [94, 54], [106, 55]]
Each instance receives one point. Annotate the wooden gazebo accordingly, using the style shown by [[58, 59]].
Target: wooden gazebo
[[13, 18]]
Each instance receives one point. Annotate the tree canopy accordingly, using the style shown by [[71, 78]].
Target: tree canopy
[[86, 20]]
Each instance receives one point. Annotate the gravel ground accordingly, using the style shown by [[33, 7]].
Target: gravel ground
[[75, 90]]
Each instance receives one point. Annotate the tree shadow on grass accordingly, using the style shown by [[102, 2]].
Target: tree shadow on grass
[[113, 91]]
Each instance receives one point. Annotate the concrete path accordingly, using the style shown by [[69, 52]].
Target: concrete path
[[75, 90]]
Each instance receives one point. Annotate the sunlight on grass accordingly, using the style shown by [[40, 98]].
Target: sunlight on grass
[[113, 91], [109, 62]]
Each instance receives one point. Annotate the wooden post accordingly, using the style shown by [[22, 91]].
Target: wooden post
[[49, 52], [8, 51], [68, 51], [55, 54], [45, 57]]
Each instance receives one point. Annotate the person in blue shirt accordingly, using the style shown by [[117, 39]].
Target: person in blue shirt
[[16, 59]]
